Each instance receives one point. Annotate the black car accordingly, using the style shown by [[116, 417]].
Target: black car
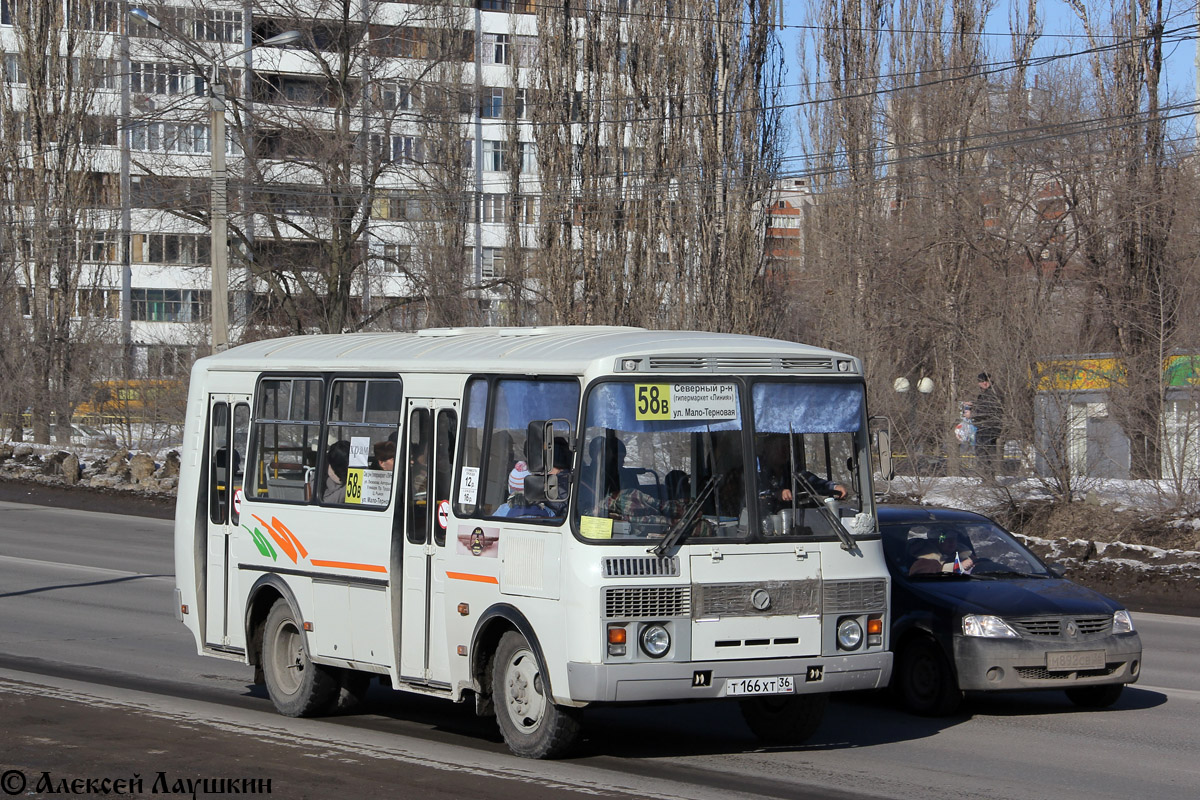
[[974, 610]]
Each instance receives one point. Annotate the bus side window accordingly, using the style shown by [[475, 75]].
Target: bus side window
[[420, 440], [287, 426], [218, 475], [447, 427]]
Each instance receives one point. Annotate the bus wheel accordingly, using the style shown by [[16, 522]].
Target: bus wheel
[[784, 719], [530, 722], [298, 687]]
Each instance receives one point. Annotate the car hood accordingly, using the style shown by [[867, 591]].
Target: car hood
[[1013, 597]]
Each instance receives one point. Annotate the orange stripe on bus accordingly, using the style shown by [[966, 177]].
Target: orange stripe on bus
[[284, 530], [466, 576], [348, 565]]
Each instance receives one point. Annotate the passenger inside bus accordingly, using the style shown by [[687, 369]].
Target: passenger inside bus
[[337, 461], [518, 505], [385, 455]]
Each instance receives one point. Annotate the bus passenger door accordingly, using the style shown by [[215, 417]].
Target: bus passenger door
[[430, 439], [228, 434]]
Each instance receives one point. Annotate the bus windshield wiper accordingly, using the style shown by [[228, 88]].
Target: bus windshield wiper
[[682, 528], [842, 534]]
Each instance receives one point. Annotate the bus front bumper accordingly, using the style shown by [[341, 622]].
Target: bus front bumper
[[702, 680]]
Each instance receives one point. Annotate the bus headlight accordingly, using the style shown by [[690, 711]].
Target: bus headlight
[[849, 634], [655, 640]]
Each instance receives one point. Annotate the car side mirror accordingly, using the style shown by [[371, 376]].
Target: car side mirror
[[1057, 570]]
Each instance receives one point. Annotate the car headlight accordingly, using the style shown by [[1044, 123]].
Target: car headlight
[[988, 627], [1122, 622], [655, 641], [849, 634]]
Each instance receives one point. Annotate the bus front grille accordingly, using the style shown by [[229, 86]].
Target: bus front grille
[[844, 597], [641, 567], [647, 602], [766, 598]]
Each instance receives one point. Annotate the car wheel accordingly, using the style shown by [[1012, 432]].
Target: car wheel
[[531, 723], [784, 719], [297, 686], [924, 681], [1095, 696]]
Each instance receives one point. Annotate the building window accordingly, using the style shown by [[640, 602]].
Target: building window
[[493, 156], [170, 248], [491, 104], [492, 262], [170, 305], [493, 208], [528, 152], [396, 258], [496, 48]]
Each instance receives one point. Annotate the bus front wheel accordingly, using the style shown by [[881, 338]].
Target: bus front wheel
[[530, 722], [297, 686], [784, 719]]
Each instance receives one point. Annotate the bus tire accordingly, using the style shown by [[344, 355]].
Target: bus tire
[[784, 719], [352, 687], [297, 686], [530, 722]]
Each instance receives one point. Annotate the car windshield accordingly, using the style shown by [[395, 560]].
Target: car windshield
[[977, 548]]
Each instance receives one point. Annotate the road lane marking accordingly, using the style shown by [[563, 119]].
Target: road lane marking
[[328, 740], [121, 573]]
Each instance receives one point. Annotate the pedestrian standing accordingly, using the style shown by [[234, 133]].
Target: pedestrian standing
[[987, 414]]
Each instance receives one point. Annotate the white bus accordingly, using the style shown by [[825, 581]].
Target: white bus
[[573, 516]]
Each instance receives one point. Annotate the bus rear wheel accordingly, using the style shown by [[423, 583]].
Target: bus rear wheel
[[784, 719], [297, 686], [531, 723]]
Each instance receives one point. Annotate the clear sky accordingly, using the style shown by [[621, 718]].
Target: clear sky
[[1063, 33]]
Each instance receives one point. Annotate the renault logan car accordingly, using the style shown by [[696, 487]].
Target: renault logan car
[[974, 610]]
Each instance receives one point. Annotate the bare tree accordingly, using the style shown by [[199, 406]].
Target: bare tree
[[53, 126]]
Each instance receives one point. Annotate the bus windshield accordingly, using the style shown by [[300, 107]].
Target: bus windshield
[[671, 458], [807, 440]]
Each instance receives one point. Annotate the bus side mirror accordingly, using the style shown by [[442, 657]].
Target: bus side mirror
[[883, 447], [535, 446]]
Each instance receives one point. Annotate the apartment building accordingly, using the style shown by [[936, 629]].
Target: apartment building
[[376, 126]]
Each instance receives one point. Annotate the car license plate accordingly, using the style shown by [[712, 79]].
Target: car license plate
[[1075, 659], [782, 684]]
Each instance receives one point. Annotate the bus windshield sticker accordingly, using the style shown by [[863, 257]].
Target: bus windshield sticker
[[354, 486], [595, 527], [685, 401], [376, 487], [468, 485], [360, 449]]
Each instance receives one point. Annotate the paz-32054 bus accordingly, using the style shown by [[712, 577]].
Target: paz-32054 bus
[[536, 520]]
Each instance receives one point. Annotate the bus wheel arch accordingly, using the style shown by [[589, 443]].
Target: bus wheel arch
[[262, 596], [489, 630]]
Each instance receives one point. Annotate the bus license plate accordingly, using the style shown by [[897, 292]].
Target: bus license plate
[[782, 684]]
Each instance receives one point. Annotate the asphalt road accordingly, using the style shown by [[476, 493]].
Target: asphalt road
[[98, 680]]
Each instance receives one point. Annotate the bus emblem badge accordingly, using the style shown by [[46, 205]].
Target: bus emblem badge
[[760, 599], [701, 678], [477, 542]]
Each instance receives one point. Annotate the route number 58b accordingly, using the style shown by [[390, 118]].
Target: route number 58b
[[653, 401]]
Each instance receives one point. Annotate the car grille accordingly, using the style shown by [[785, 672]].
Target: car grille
[[1057, 626], [647, 602], [842, 597], [791, 598], [1043, 674]]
